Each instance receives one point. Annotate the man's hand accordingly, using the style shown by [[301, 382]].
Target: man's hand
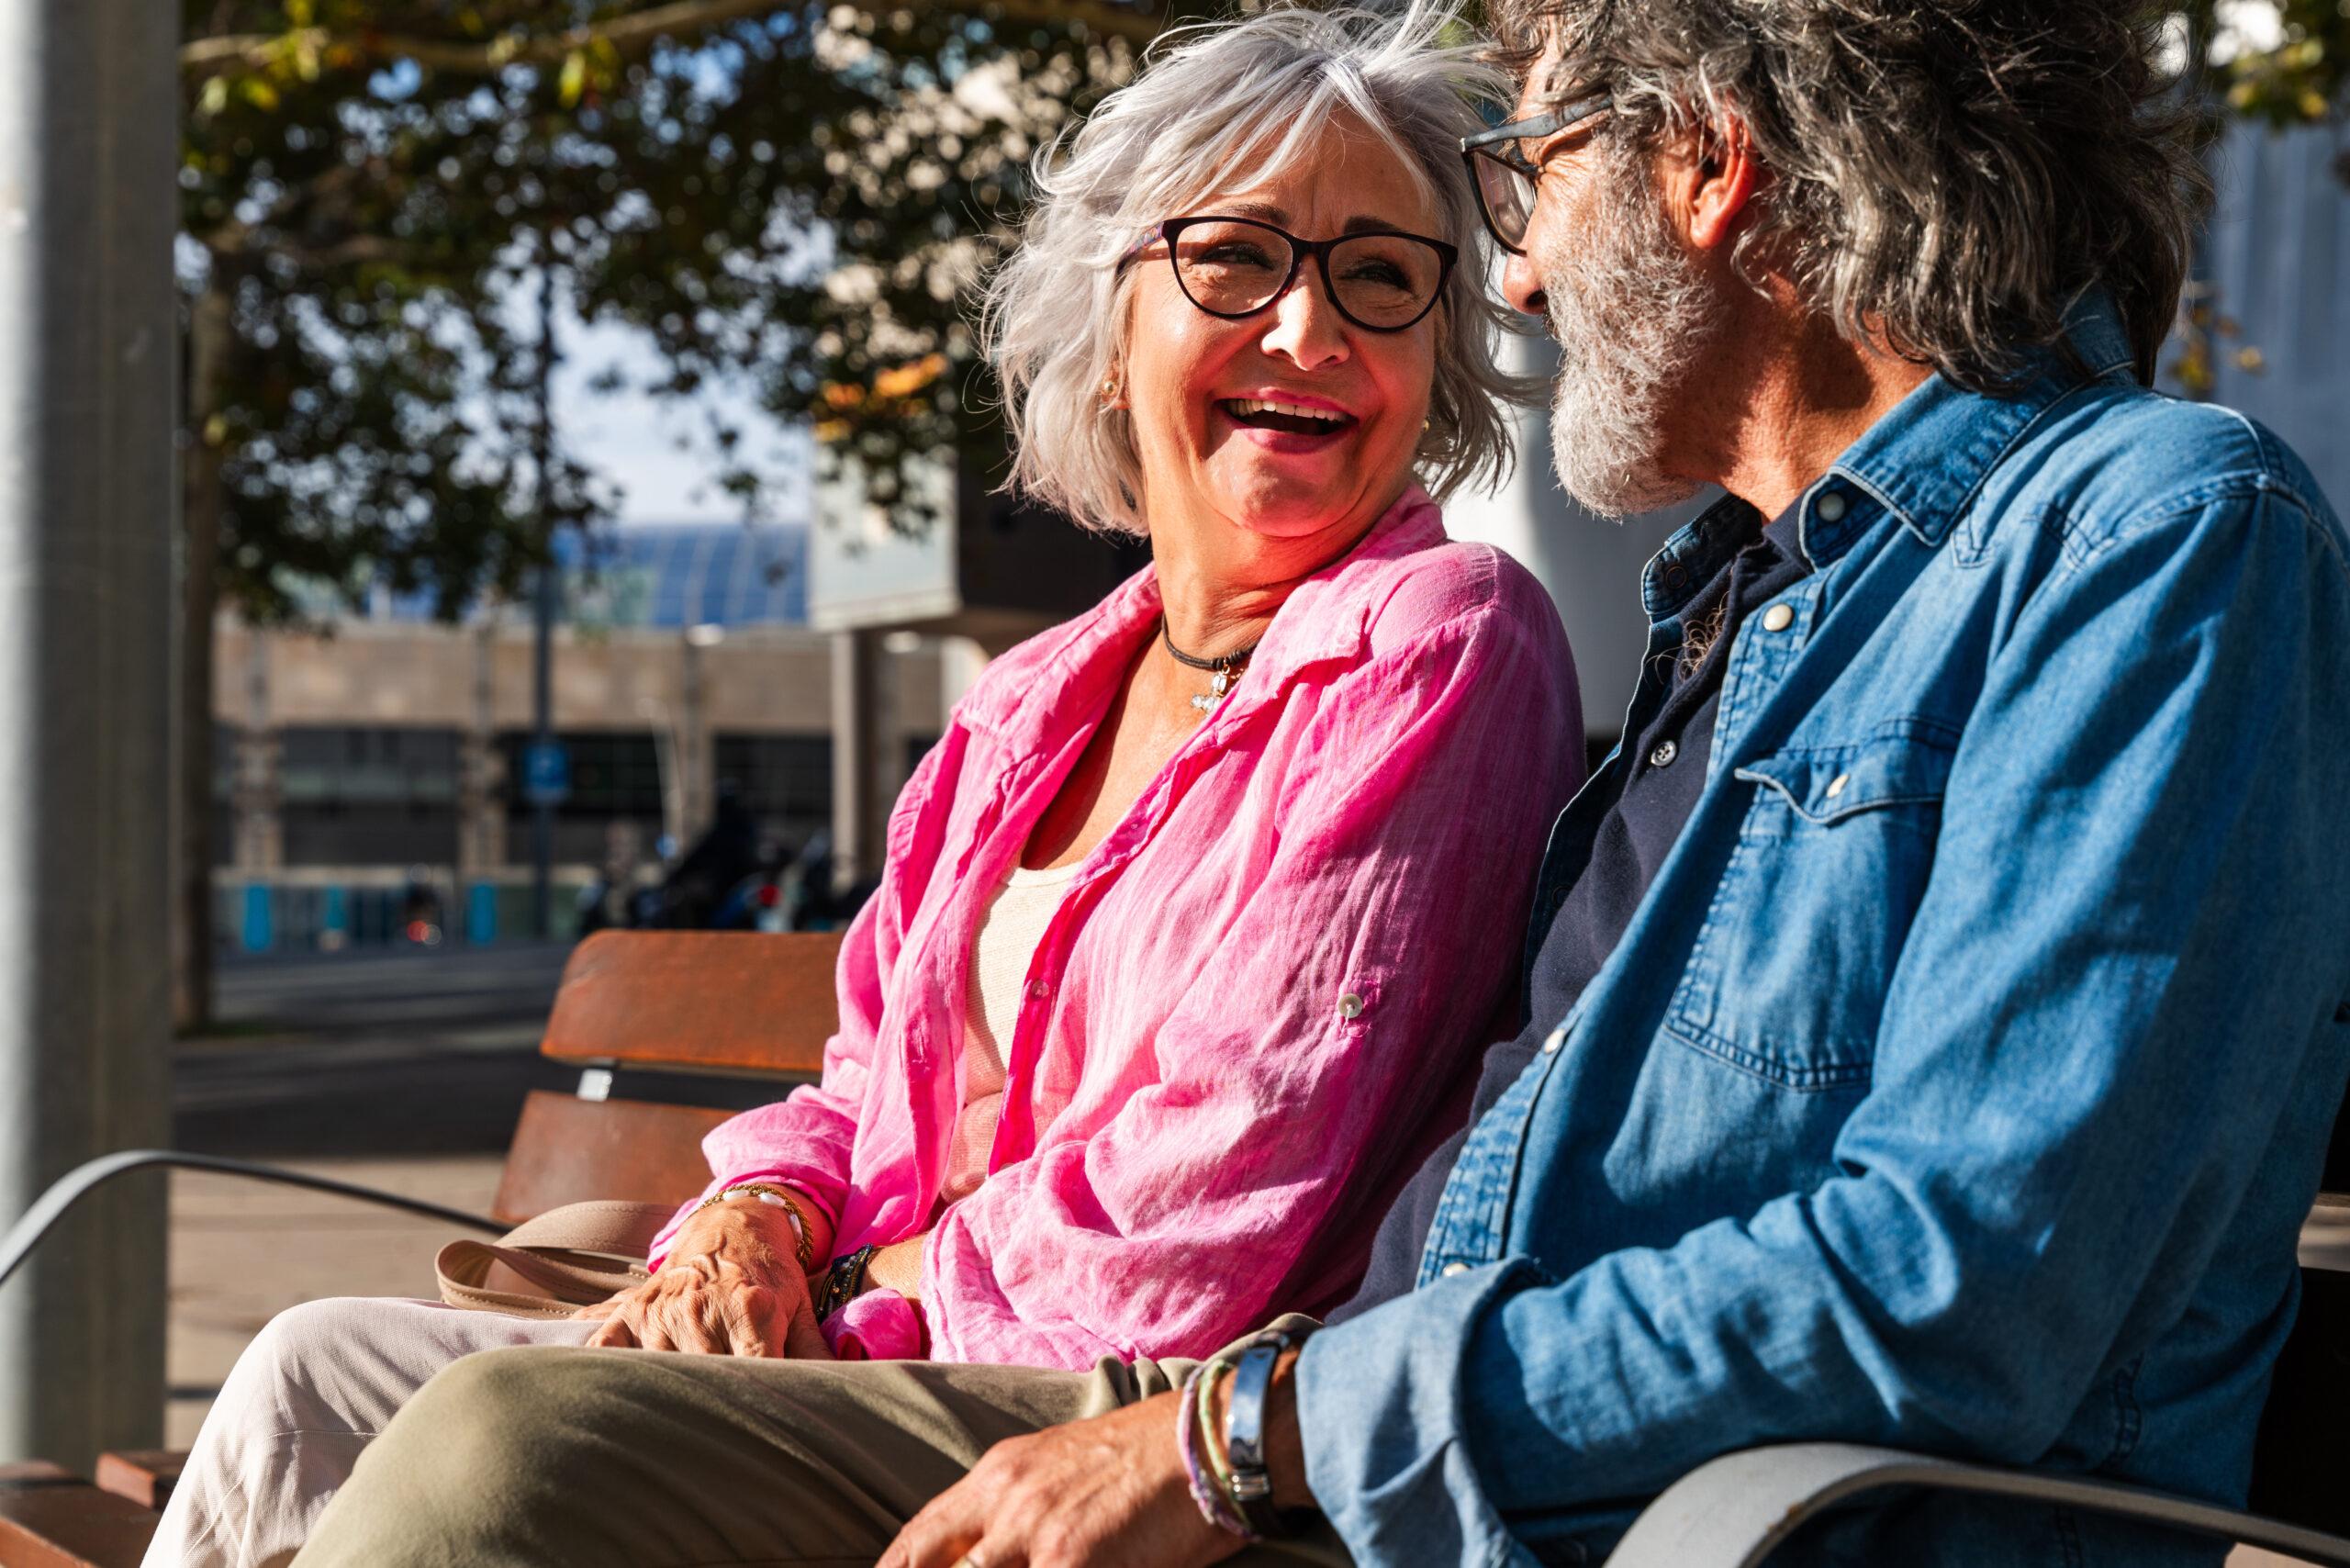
[[730, 1286], [1110, 1490]]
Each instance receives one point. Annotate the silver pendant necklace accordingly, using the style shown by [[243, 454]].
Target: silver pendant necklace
[[1226, 669]]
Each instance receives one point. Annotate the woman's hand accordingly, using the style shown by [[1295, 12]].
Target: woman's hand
[[1109, 1490], [730, 1286], [898, 1267]]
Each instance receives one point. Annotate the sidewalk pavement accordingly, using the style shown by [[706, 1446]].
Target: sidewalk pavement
[[241, 1251]]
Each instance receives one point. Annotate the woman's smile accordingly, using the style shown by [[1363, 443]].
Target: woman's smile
[[1285, 422]]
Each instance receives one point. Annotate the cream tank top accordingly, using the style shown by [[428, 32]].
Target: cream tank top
[[1010, 933]]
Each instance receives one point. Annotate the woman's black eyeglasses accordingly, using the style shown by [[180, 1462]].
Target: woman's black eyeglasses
[[1507, 178], [1381, 280]]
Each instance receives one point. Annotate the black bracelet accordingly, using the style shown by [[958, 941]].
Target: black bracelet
[[844, 1281], [1243, 1440]]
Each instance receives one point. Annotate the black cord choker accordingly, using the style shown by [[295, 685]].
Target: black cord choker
[[1227, 668]]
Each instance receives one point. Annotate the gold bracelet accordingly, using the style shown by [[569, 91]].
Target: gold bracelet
[[769, 1193]]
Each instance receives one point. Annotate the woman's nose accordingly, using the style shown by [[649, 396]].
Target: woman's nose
[[1306, 327]]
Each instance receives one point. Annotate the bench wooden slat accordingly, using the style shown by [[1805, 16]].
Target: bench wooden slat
[[50, 1517], [736, 1002], [568, 1150], [146, 1476]]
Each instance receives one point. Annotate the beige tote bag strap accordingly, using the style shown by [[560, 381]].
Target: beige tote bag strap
[[565, 1259]]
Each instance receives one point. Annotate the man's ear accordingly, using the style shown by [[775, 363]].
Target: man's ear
[[1709, 180]]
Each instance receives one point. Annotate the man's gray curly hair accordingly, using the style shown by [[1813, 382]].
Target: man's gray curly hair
[[1953, 173], [1224, 107]]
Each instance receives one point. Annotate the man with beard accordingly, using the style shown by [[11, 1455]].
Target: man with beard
[[1938, 1001]]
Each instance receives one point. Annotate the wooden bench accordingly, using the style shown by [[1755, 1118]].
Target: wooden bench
[[735, 1005]]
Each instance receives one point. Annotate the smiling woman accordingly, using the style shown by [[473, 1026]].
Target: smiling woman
[[1194, 924], [1225, 125]]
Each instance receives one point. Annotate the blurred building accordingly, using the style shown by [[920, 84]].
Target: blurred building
[[2277, 279], [386, 748]]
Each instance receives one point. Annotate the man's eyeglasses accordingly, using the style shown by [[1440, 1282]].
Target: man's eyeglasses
[[1381, 281], [1506, 179]]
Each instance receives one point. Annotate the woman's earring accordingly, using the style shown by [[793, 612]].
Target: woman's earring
[[1109, 389]]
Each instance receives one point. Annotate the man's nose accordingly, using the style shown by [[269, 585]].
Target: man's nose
[[1522, 286]]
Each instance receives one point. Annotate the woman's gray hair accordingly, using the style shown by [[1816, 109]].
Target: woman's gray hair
[[1224, 108], [1954, 173]]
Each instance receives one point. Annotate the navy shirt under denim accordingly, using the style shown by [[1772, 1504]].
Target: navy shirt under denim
[[1962, 1078], [1655, 791]]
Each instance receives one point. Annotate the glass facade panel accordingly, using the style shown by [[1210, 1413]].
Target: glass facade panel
[[786, 779], [360, 796]]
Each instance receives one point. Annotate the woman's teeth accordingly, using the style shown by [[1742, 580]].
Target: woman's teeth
[[1257, 409]]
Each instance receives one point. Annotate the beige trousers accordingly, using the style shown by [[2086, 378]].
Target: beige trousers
[[309, 1393], [574, 1458]]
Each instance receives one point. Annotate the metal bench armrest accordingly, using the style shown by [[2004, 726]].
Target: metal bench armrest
[[1734, 1511], [84, 1177]]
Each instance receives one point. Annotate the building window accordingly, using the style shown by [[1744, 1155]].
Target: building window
[[612, 815], [787, 781], [350, 796]]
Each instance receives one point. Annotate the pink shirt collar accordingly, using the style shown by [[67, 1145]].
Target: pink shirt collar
[[1324, 619]]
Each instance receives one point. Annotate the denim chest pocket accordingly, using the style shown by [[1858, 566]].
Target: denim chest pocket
[[1788, 979]]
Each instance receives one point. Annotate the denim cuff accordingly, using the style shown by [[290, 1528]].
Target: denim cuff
[[1379, 1402]]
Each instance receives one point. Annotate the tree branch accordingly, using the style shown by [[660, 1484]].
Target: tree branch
[[627, 35]]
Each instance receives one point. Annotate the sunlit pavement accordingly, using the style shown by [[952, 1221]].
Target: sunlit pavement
[[241, 1251], [400, 1070]]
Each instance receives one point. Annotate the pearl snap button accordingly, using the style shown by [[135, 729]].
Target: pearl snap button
[[1778, 618], [1454, 1270], [1835, 785], [1550, 1047], [1350, 1005], [1664, 755], [1831, 506]]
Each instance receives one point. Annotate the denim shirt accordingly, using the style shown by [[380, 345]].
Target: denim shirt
[[1963, 1078]]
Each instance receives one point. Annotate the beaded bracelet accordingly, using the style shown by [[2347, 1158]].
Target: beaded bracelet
[[1210, 1500], [1219, 1462]]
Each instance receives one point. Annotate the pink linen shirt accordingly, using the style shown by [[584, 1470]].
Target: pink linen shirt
[[1261, 1001]]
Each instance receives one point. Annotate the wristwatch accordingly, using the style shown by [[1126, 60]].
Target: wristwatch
[[1244, 1441]]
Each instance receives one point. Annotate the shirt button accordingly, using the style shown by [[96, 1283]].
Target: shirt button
[[1664, 755], [1040, 989], [1831, 506], [1550, 1047], [1778, 618], [1835, 785], [1453, 1271], [1350, 1005]]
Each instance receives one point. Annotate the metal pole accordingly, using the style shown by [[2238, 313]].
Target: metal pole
[[88, 507], [543, 609]]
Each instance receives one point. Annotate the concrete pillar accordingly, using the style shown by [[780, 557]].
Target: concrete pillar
[[862, 781], [88, 506], [695, 748], [255, 796], [481, 815]]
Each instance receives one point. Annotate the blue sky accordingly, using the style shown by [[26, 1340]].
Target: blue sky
[[635, 439]]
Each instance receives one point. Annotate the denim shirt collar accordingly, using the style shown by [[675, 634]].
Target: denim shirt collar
[[1922, 463]]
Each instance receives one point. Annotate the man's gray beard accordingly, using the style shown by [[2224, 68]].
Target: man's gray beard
[[1633, 316]]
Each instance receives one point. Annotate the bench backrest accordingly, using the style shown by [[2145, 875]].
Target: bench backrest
[[733, 1004]]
